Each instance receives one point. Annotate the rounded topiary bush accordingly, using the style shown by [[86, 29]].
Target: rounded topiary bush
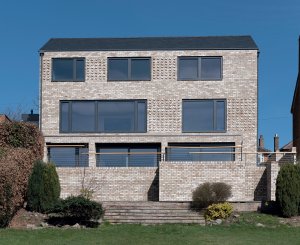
[[288, 190], [43, 188], [209, 193]]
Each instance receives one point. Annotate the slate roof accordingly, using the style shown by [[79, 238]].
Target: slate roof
[[262, 149], [150, 43], [287, 147]]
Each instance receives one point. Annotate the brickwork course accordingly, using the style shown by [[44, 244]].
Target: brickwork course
[[171, 181]]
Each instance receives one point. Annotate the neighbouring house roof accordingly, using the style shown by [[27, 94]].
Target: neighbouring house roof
[[287, 147], [31, 118], [262, 149], [150, 43], [4, 118]]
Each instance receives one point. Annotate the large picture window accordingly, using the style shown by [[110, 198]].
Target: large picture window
[[129, 69], [68, 69], [120, 116], [200, 152], [127, 155], [203, 115], [199, 68], [68, 156]]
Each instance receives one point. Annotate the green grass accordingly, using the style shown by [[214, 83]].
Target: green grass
[[252, 218], [242, 232]]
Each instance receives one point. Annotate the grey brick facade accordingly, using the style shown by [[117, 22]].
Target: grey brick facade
[[164, 94]]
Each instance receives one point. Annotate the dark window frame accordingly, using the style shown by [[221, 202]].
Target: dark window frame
[[214, 116], [69, 102], [74, 78], [129, 59], [130, 147], [227, 145], [78, 159], [199, 77]]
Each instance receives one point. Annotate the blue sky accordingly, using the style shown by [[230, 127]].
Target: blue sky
[[26, 25]]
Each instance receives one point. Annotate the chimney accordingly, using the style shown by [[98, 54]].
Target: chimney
[[276, 143], [261, 142], [31, 112]]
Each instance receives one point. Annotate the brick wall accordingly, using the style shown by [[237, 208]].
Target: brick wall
[[178, 179], [163, 93], [111, 184], [164, 96]]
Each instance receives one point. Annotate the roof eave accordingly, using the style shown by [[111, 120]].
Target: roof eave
[[173, 49]]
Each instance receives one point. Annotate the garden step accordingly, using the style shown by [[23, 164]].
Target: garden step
[[149, 204], [134, 212], [129, 217], [151, 213], [145, 221], [185, 211], [146, 208]]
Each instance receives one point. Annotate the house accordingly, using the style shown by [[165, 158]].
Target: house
[[264, 152], [32, 118], [295, 110], [137, 119], [283, 155]]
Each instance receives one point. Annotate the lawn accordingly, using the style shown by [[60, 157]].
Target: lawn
[[243, 232]]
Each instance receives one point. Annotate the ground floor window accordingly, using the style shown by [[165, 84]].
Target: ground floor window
[[200, 152], [127, 155], [68, 155]]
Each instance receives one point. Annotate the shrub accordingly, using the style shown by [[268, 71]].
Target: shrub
[[75, 209], [51, 185], [288, 190], [209, 193], [16, 162], [6, 205], [43, 187], [2, 152], [218, 211], [270, 207], [19, 134]]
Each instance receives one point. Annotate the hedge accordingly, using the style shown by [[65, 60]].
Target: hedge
[[21, 145]]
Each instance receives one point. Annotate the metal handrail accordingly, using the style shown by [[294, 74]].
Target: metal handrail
[[125, 153], [205, 147]]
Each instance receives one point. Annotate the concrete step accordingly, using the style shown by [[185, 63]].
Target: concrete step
[[132, 217], [184, 211], [147, 208], [133, 212], [153, 222], [171, 216], [151, 213], [147, 204]]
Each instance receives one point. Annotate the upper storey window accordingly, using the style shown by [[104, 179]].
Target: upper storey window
[[68, 69], [204, 116], [104, 116], [129, 69], [200, 68]]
